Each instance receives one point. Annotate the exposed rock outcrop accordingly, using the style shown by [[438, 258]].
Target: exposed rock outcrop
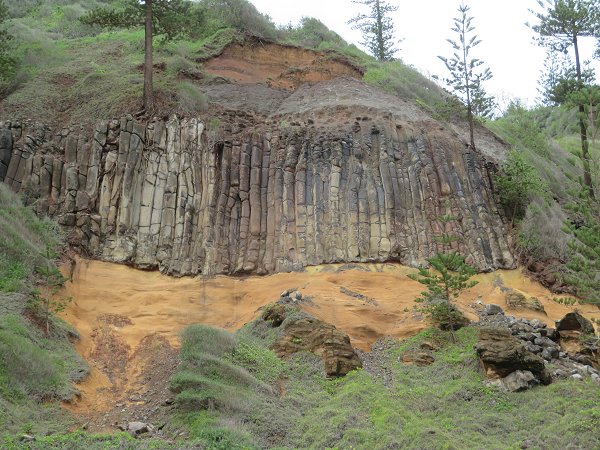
[[299, 331], [574, 321], [513, 351], [342, 173], [501, 354], [310, 334]]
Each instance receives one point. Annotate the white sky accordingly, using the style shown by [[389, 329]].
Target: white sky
[[507, 45]]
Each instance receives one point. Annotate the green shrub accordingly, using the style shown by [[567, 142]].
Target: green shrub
[[23, 240], [518, 184], [240, 15], [205, 339], [263, 363], [312, 33]]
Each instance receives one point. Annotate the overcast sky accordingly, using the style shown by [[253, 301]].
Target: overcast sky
[[507, 46]]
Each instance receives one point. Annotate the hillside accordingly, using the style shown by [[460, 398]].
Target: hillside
[[72, 73], [296, 247]]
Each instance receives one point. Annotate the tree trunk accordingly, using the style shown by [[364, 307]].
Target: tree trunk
[[380, 43], [585, 154], [148, 65], [468, 86]]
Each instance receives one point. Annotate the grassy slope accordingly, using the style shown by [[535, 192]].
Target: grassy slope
[[71, 73], [234, 393], [35, 369], [548, 138]]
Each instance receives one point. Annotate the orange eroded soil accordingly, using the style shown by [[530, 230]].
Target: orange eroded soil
[[278, 66], [121, 312]]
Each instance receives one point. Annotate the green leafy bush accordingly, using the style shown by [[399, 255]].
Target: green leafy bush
[[518, 184]]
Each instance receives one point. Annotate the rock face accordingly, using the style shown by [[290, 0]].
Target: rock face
[[329, 178]]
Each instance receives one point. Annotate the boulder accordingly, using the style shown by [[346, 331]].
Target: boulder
[[516, 300], [274, 314], [545, 342], [302, 332], [137, 428], [418, 358], [492, 310], [550, 353], [537, 323], [502, 354], [519, 380], [550, 333], [574, 321], [520, 327]]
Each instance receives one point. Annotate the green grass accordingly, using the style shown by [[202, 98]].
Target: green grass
[[75, 74], [81, 439], [444, 405], [23, 239], [35, 369]]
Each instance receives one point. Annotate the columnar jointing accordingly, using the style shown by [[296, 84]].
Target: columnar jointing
[[169, 196]]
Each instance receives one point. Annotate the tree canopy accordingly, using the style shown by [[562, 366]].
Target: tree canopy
[[559, 27]]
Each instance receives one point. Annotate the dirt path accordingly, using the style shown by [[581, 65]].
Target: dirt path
[[130, 320]]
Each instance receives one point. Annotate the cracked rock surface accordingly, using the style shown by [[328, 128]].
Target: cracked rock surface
[[340, 172]]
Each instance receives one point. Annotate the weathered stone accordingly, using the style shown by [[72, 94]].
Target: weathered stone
[[545, 342], [302, 332], [501, 354], [137, 428], [550, 333], [491, 310], [520, 380], [519, 327], [550, 353], [418, 358], [275, 314], [574, 321], [516, 300]]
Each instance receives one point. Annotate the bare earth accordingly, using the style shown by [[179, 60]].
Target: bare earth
[[130, 320]]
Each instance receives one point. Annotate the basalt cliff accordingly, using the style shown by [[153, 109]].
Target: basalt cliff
[[272, 180]]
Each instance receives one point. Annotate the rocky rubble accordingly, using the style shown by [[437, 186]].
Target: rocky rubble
[[517, 354], [340, 173]]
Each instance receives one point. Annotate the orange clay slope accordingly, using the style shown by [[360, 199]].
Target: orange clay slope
[[115, 307]]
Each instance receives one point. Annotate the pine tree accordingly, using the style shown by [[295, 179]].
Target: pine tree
[[377, 28], [558, 81], [560, 27], [446, 277], [166, 18], [466, 73]]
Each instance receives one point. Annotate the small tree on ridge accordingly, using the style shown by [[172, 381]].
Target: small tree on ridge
[[446, 277], [466, 74], [168, 18], [377, 28]]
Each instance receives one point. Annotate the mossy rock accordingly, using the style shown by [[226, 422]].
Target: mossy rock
[[516, 300]]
